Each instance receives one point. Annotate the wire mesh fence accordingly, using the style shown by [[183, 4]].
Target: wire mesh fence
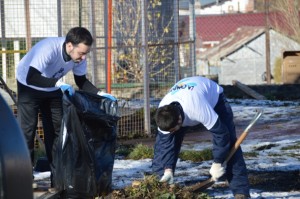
[[141, 47]]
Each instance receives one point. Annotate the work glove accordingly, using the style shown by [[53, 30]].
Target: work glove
[[65, 87], [217, 170], [168, 176], [107, 95]]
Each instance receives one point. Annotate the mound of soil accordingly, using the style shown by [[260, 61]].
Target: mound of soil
[[275, 180]]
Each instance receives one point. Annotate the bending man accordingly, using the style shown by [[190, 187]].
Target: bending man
[[188, 103]]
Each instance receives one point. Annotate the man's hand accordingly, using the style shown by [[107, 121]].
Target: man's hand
[[107, 95], [168, 176], [217, 170], [65, 87]]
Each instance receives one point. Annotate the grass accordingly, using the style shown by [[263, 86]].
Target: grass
[[140, 151], [250, 154], [39, 152], [196, 156], [265, 147], [124, 150], [292, 147]]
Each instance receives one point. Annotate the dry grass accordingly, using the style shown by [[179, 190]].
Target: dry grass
[[151, 188]]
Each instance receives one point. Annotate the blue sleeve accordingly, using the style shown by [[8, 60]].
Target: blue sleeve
[[221, 141], [166, 150]]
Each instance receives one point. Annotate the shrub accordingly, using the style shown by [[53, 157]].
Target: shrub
[[141, 152], [196, 156]]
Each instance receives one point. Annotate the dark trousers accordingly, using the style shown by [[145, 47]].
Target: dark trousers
[[49, 104], [167, 148], [236, 171]]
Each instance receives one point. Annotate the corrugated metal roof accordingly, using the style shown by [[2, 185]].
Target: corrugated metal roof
[[242, 36]]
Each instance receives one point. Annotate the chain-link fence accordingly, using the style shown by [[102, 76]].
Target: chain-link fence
[[136, 52], [142, 47]]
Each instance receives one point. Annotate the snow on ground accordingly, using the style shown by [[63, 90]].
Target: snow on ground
[[270, 159]]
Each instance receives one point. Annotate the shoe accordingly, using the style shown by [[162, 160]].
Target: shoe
[[241, 196]]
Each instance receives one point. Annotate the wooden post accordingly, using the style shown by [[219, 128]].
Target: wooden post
[[248, 90]]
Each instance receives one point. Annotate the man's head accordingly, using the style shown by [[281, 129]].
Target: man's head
[[78, 43], [168, 118]]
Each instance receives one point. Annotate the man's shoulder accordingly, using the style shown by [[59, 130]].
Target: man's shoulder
[[54, 39]]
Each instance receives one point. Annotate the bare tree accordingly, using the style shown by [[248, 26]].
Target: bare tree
[[127, 30], [286, 17]]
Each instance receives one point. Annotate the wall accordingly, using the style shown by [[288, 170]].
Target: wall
[[247, 64]]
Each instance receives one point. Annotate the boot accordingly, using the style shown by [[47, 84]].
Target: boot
[[241, 196]]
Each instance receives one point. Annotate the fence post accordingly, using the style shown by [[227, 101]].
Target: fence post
[[93, 30], [145, 66], [192, 35], [176, 46]]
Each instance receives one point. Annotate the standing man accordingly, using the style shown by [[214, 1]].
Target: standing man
[[189, 102], [40, 86]]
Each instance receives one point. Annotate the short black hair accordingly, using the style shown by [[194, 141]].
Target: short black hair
[[166, 117], [79, 35]]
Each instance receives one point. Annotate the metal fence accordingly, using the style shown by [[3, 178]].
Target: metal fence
[[142, 47], [136, 49]]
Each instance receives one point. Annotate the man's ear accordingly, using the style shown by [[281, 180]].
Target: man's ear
[[69, 47]]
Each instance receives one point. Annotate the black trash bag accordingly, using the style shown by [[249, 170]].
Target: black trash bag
[[85, 152]]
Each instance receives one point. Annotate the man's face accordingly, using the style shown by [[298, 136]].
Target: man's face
[[77, 52]]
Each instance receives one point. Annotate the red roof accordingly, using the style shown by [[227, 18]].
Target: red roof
[[211, 28], [216, 27]]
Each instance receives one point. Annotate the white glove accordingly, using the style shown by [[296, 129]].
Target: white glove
[[217, 170], [107, 95], [65, 87], [168, 176]]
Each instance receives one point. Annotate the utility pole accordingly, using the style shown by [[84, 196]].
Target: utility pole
[[267, 30]]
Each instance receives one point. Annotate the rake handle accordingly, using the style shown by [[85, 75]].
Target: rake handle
[[200, 186]]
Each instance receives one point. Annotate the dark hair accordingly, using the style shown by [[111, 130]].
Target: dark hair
[[79, 35], [166, 117]]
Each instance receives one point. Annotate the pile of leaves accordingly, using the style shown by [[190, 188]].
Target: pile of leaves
[[150, 188]]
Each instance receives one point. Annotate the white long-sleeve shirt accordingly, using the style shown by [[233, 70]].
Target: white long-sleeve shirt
[[47, 57]]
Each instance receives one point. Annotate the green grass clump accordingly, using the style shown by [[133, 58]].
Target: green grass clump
[[196, 156], [124, 150], [250, 154], [39, 152], [141, 151], [292, 147]]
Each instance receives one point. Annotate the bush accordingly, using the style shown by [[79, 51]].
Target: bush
[[141, 152], [196, 156]]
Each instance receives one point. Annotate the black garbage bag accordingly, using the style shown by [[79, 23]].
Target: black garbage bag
[[85, 152]]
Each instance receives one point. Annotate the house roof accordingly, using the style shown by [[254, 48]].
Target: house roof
[[217, 27], [236, 40], [213, 28]]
